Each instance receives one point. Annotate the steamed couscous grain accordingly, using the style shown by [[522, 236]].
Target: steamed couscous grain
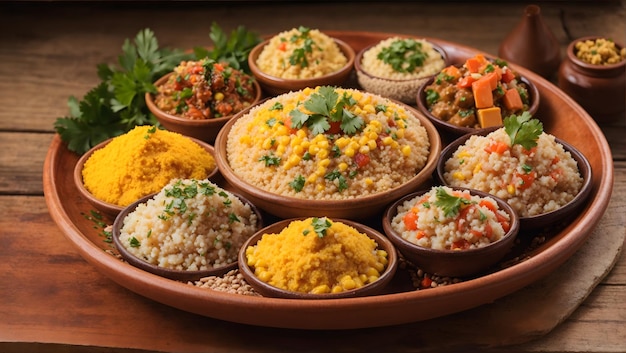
[[385, 145], [317, 255], [533, 182], [600, 51], [301, 53], [419, 59], [189, 225], [446, 219]]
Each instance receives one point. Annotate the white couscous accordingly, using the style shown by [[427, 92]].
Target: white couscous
[[301, 53], [534, 180], [447, 219], [189, 225], [327, 144]]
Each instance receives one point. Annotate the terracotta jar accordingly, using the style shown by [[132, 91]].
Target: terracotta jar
[[532, 44], [599, 89]]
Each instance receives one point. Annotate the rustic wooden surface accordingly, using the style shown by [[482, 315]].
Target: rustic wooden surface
[[52, 300]]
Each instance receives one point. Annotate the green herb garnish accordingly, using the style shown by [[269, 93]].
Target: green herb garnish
[[449, 204], [326, 106], [403, 55], [270, 160], [342, 183], [431, 96], [320, 225], [298, 183], [233, 49], [134, 242], [523, 130]]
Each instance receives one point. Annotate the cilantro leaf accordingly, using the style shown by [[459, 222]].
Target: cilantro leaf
[[320, 226], [449, 204], [523, 130]]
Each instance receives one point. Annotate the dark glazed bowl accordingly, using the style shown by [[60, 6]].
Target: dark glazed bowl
[[600, 89], [567, 212], [273, 85], [109, 209], [205, 129], [179, 275], [268, 290], [456, 130], [452, 263], [401, 90], [355, 209]]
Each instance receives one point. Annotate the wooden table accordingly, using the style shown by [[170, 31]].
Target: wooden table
[[52, 300]]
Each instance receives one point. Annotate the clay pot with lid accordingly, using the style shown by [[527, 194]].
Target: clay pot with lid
[[532, 44], [599, 89]]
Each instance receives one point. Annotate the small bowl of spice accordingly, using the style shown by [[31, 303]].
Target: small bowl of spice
[[317, 258], [199, 97], [396, 67], [475, 96], [593, 74], [300, 58], [452, 232], [123, 169], [172, 235]]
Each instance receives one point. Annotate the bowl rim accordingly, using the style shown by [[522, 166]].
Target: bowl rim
[[461, 130], [372, 288], [359, 68], [346, 49], [535, 221], [174, 274], [160, 114], [392, 234], [110, 208], [389, 195], [570, 52]]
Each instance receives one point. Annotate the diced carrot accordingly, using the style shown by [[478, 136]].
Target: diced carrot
[[452, 71], [498, 147], [483, 98], [282, 46], [488, 230], [474, 64], [488, 205], [526, 180], [507, 76], [465, 82], [410, 221], [488, 117], [506, 225], [426, 282], [498, 71], [420, 234], [461, 244], [512, 100]]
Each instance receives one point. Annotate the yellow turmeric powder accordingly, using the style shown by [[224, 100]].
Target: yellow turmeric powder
[[142, 162], [317, 255]]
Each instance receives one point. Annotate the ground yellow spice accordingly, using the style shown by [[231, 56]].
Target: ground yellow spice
[[142, 162], [299, 259]]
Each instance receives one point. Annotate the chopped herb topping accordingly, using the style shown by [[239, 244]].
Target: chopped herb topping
[[298, 183], [320, 225], [451, 205], [270, 160], [403, 55], [523, 130]]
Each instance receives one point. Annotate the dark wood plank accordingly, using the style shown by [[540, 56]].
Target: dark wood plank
[[21, 162]]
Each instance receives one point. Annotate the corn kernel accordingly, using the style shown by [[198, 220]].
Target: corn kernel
[[349, 151], [264, 275], [458, 176], [337, 289], [245, 139], [320, 171], [395, 144], [364, 149], [347, 283], [406, 150], [372, 144], [387, 140], [342, 166], [295, 141], [371, 271], [321, 154], [312, 178], [464, 154], [298, 150], [369, 108], [342, 142], [321, 289], [510, 189], [324, 162], [369, 182], [320, 187], [372, 135], [294, 159], [301, 134], [400, 133], [281, 129], [267, 143], [280, 149], [313, 149], [477, 168], [379, 266]]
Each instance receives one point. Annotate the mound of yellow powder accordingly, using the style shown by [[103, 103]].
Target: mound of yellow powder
[[318, 256], [142, 162]]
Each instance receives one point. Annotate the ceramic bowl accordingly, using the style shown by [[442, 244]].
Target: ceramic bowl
[[452, 263], [529, 223], [401, 90], [205, 129], [273, 85], [268, 290], [600, 89], [356, 208], [179, 275], [455, 130], [106, 208]]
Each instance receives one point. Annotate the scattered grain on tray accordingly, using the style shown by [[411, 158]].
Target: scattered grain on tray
[[141, 162], [387, 149], [231, 282], [189, 225], [301, 53]]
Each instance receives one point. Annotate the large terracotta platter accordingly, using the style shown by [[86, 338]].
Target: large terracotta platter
[[561, 116]]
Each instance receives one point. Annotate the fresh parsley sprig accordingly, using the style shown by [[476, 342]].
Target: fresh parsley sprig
[[450, 204], [233, 49], [523, 130], [403, 55], [320, 226], [326, 107]]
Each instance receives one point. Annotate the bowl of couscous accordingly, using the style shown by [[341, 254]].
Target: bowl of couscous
[[476, 95], [189, 230], [300, 58], [451, 232], [292, 160], [396, 67], [123, 169], [318, 258], [545, 182], [198, 97]]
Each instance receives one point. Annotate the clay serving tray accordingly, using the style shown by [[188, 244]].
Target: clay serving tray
[[561, 117]]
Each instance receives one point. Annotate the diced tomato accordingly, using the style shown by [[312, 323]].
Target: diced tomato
[[556, 160], [361, 159], [529, 152], [420, 234], [426, 282], [488, 230], [507, 76], [410, 221], [288, 125], [218, 67], [196, 70], [488, 204], [526, 179], [556, 174], [506, 225], [335, 127], [498, 147], [282, 46], [461, 218], [460, 245]]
